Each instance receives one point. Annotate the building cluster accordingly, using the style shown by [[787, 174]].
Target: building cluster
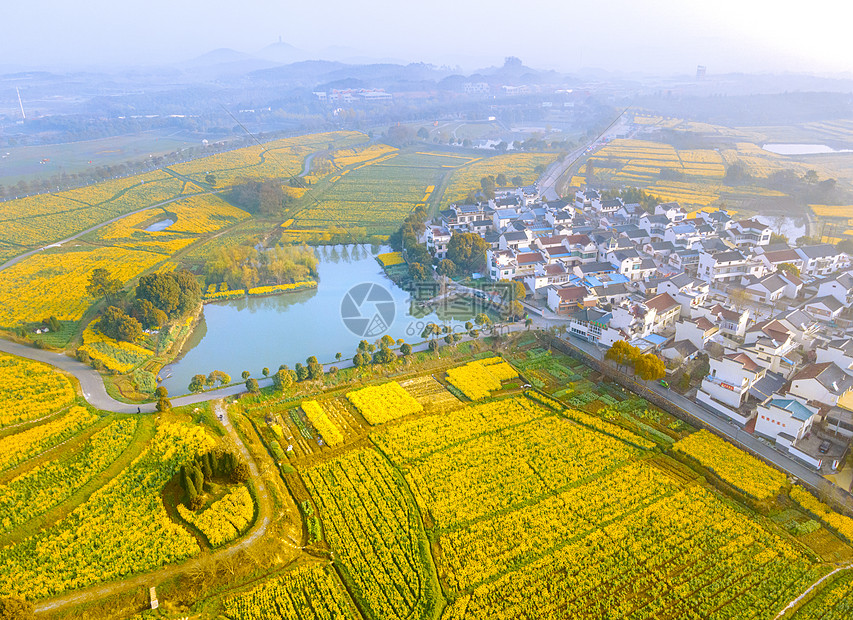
[[771, 320]]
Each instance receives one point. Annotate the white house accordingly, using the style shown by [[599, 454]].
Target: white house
[[726, 387], [824, 383], [839, 352], [686, 290], [672, 210], [820, 260], [839, 287], [788, 416], [771, 343], [437, 240], [698, 331], [826, 308]]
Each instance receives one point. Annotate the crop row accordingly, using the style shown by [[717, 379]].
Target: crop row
[[121, 529], [307, 593], [31, 390], [37, 490], [373, 531], [19, 447]]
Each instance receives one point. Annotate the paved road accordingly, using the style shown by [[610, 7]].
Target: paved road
[[92, 383], [727, 428]]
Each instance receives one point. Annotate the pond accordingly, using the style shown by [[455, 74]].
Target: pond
[[802, 149], [256, 332], [161, 225]]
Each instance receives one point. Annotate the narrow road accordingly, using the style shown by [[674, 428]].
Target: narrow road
[[793, 603], [262, 522]]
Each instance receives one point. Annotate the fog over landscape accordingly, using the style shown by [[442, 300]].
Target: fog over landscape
[[437, 310], [652, 37]]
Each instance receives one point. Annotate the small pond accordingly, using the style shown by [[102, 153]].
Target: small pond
[[161, 225]]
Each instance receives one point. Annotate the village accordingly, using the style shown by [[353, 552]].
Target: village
[[753, 328]]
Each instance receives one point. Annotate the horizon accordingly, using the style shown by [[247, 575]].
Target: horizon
[[671, 40]]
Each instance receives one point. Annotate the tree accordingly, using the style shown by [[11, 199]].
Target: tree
[[14, 608], [175, 293], [240, 473], [423, 133], [283, 379], [739, 297], [650, 367], [163, 402], [102, 285], [501, 180], [515, 310], [528, 322], [210, 179], [483, 320], [468, 251], [406, 348], [358, 359], [301, 372], [338, 356], [197, 384], [778, 238], [314, 368], [433, 345], [418, 273], [218, 376], [517, 181], [245, 374], [789, 268], [148, 316], [116, 324], [265, 372], [446, 268], [252, 385], [810, 177], [622, 353]]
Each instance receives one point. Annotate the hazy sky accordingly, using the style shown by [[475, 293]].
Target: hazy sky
[[653, 36]]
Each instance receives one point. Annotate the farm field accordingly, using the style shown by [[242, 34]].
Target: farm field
[[374, 195], [539, 510], [31, 390], [467, 177], [120, 529]]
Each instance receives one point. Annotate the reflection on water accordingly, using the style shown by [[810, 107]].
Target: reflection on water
[[257, 332], [802, 149]]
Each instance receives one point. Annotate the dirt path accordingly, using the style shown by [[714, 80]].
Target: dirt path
[[796, 601], [88, 595]]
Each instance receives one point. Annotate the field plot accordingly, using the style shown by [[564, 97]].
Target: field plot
[[122, 528], [744, 472], [832, 602], [225, 519], [54, 284], [20, 446], [375, 532], [277, 159], [480, 378], [381, 403], [375, 196], [430, 393], [511, 165], [45, 218], [307, 593], [31, 390], [37, 490], [539, 516]]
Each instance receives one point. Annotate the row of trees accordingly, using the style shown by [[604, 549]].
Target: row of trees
[[648, 366]]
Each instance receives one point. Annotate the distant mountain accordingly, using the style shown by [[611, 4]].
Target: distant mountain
[[283, 53], [217, 57]]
